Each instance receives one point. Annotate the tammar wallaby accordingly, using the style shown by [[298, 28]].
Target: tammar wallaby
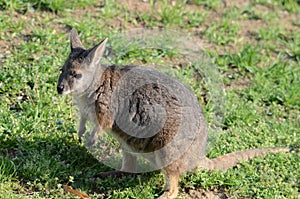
[[105, 98]]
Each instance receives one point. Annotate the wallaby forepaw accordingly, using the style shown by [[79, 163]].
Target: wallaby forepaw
[[80, 137]]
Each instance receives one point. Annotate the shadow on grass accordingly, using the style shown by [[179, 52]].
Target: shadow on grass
[[52, 161]]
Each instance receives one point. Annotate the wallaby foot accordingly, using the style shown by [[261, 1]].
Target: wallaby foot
[[168, 195]]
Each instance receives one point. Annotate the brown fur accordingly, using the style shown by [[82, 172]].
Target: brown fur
[[93, 87]]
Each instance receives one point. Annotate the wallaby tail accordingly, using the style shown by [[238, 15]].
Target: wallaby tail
[[229, 160]]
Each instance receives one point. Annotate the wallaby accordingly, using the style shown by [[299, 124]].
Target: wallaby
[[115, 97]]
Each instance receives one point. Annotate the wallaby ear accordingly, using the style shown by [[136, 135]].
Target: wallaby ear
[[96, 53], [74, 40]]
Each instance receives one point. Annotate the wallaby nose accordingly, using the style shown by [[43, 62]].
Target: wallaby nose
[[60, 89]]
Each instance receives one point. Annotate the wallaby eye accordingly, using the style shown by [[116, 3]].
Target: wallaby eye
[[80, 59], [75, 75]]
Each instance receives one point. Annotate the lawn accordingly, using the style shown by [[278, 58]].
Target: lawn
[[254, 45]]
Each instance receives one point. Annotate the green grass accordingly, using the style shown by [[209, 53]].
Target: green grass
[[222, 33], [39, 147], [288, 5], [54, 6]]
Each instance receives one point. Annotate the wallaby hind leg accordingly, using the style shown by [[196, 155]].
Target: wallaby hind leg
[[171, 186], [128, 167], [128, 162]]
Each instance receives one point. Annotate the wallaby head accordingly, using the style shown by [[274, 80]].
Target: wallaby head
[[81, 68]]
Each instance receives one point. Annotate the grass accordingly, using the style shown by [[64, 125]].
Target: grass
[[259, 65], [54, 6]]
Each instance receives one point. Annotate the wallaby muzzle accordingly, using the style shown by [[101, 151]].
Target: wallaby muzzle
[[60, 89]]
